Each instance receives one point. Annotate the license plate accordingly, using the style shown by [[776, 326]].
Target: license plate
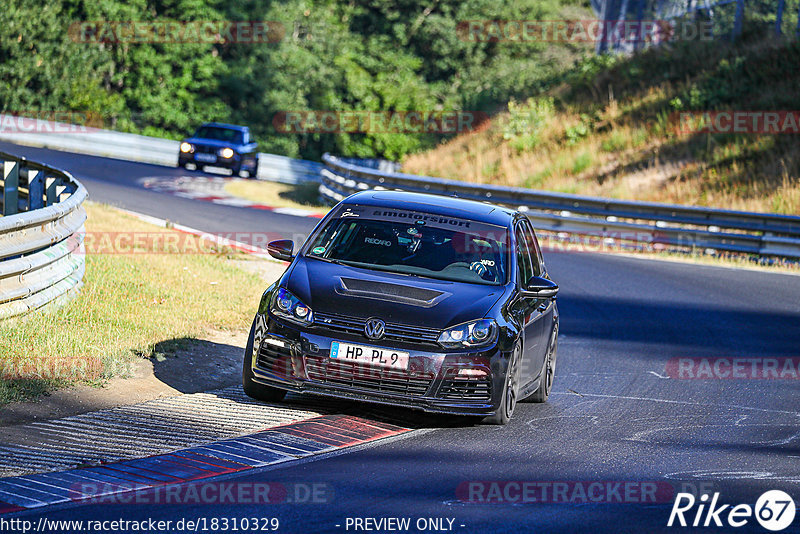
[[208, 158], [371, 355]]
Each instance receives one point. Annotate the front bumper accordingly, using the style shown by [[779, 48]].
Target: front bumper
[[298, 359], [225, 163]]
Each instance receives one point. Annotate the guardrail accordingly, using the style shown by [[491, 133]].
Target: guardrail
[[42, 257], [647, 224], [140, 148]]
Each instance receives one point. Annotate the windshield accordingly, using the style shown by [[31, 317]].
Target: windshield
[[220, 134], [421, 248]]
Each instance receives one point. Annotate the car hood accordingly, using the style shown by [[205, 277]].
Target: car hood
[[344, 290]]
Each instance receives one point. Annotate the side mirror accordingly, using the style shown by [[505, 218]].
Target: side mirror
[[540, 288], [281, 249]]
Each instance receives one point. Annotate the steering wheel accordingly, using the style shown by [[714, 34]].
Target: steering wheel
[[482, 270]]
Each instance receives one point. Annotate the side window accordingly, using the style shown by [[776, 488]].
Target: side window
[[523, 256], [536, 253]]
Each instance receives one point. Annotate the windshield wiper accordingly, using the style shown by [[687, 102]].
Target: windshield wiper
[[331, 260]]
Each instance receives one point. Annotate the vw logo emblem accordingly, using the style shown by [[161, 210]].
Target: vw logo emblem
[[374, 328]]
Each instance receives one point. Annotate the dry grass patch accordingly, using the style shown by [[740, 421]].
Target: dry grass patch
[[300, 196], [612, 132]]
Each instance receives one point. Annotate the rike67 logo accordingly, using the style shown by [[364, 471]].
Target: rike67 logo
[[774, 511]]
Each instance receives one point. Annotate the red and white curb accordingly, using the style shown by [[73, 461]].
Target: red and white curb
[[284, 443], [212, 189], [152, 427]]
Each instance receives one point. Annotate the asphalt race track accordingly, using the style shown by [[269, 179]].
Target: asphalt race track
[[620, 413]]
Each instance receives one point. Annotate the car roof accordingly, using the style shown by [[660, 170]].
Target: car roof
[[435, 204], [223, 125]]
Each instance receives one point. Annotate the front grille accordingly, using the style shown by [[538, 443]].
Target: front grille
[[466, 388], [275, 359], [205, 149], [393, 331], [355, 375]]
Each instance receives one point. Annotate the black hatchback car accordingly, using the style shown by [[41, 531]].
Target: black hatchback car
[[412, 300], [220, 145]]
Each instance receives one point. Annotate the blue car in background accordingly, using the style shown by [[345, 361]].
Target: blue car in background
[[220, 145]]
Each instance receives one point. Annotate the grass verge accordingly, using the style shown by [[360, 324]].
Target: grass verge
[[130, 303], [300, 196]]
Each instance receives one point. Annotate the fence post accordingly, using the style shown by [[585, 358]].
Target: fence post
[[35, 189], [737, 23], [51, 190], [797, 31], [10, 187], [779, 17], [602, 45], [640, 34]]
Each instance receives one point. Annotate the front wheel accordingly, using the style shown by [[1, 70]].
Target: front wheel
[[253, 389], [510, 391]]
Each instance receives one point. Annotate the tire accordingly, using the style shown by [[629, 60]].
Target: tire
[[510, 391], [546, 386], [236, 170], [251, 388]]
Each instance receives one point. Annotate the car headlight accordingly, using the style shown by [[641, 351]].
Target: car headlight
[[469, 335], [186, 147], [226, 152], [286, 305]]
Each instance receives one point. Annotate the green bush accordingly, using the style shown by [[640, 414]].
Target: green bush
[[579, 131], [582, 162], [615, 142], [525, 122]]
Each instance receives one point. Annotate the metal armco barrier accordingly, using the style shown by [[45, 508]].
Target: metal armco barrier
[[42, 257], [646, 223]]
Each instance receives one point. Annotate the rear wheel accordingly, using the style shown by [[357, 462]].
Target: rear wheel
[[253, 389], [546, 384], [510, 391]]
